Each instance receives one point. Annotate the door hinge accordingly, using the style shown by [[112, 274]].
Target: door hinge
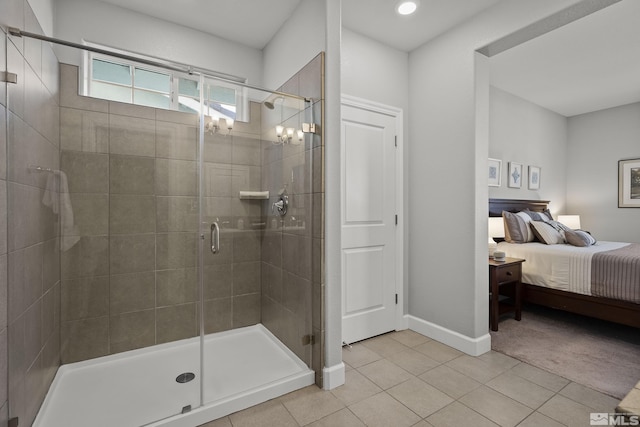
[[396, 219], [396, 298], [13, 422], [308, 339], [7, 77]]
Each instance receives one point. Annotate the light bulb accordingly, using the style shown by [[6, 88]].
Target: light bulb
[[279, 130]]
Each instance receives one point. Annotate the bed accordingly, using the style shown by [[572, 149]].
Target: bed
[[560, 275]]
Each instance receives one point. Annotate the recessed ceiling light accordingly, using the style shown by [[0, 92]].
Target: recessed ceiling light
[[407, 7]]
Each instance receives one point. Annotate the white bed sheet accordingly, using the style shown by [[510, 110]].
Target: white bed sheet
[[563, 267]]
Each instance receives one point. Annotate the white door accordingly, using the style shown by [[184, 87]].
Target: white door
[[368, 223]]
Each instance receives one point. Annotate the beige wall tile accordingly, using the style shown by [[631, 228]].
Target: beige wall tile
[[133, 330], [175, 213], [84, 339], [131, 110], [132, 292], [3, 142], [176, 178], [131, 175], [217, 315], [246, 310], [218, 281], [246, 278], [16, 63], [88, 257], [85, 297], [4, 365], [217, 148], [176, 250], [176, 141], [90, 213], [218, 177], [132, 136], [246, 151], [246, 246], [3, 293], [86, 172], [177, 286], [180, 117], [129, 214], [82, 130], [32, 332], [132, 253], [176, 322]]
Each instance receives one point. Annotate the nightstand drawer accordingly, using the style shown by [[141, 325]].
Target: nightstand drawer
[[509, 273]]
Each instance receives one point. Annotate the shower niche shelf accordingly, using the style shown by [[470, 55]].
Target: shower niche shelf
[[254, 195]]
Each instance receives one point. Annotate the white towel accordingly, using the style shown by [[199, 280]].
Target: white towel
[[56, 196]]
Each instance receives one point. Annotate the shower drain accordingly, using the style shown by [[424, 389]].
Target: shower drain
[[185, 378]]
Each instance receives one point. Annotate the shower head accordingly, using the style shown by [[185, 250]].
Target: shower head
[[271, 104]]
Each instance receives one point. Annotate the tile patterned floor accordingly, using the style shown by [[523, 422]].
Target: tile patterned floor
[[406, 379]]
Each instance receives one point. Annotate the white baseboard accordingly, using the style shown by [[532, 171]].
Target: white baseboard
[[333, 376], [471, 346]]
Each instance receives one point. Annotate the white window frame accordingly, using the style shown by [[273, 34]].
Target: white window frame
[[175, 76]]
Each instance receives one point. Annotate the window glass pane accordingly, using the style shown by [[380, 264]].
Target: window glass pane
[[110, 92], [110, 72], [189, 105], [189, 88], [151, 80], [222, 95], [151, 99]]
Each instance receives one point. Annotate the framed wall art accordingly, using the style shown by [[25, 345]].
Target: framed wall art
[[495, 172], [534, 178], [629, 183], [515, 175]]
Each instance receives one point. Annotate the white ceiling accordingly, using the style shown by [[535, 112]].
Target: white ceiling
[[590, 64], [378, 20]]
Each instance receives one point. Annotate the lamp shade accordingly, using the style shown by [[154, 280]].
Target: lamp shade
[[496, 227], [571, 221]]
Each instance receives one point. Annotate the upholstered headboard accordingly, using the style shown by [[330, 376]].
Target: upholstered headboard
[[496, 206]]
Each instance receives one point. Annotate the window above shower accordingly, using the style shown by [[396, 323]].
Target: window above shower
[[136, 83]]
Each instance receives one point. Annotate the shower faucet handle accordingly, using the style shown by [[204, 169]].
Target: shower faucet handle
[[281, 205]]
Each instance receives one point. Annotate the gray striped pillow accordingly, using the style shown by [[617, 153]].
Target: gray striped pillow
[[546, 233], [579, 238]]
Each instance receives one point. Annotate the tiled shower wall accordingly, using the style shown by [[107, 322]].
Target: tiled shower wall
[[293, 250], [29, 241], [129, 279]]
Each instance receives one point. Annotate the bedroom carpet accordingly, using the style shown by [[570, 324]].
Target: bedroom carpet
[[602, 355]]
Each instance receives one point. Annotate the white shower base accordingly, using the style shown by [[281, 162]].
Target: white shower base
[[243, 367]]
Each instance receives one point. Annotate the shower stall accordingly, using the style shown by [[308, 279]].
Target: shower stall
[[179, 247]]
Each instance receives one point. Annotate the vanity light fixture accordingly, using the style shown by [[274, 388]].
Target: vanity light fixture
[[407, 7]]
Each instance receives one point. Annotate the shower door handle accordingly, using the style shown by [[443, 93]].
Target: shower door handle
[[215, 238]]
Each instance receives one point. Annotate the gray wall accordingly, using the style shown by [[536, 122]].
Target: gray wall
[[447, 170], [526, 133], [595, 144]]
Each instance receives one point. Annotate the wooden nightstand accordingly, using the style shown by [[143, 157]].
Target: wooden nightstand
[[505, 289]]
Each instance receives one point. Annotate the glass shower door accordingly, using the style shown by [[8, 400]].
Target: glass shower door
[[255, 204]]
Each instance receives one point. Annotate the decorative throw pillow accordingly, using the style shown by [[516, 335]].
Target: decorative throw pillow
[[516, 227], [539, 216], [546, 233], [579, 238]]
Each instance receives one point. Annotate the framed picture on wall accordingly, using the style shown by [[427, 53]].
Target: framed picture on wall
[[534, 178], [495, 172], [629, 183], [515, 175]]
